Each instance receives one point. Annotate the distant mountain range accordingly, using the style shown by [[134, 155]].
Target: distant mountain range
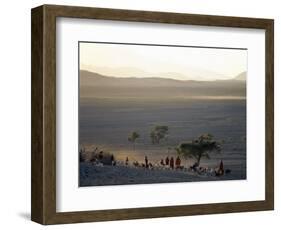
[[241, 77], [97, 85]]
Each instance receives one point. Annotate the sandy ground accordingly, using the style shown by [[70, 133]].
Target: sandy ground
[[93, 175], [106, 124]]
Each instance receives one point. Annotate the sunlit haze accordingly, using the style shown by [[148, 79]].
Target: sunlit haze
[[180, 63]]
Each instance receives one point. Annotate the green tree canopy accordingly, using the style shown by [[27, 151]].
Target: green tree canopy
[[158, 133], [198, 148], [133, 137]]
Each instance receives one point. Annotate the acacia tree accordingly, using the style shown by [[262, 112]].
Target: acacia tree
[[158, 133], [133, 137], [198, 148]]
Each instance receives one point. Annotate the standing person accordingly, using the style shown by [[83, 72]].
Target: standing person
[[221, 169], [172, 163], [112, 160], [100, 156], [178, 162], [162, 162], [146, 161], [127, 161], [167, 161]]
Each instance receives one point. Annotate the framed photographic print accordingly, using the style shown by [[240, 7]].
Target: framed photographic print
[[140, 114]]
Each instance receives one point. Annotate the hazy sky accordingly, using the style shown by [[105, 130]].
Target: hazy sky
[[182, 63]]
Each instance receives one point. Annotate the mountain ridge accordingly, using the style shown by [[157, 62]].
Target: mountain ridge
[[92, 78], [96, 85], [241, 77]]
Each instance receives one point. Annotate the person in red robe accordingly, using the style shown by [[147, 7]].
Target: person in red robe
[[172, 163], [167, 161], [220, 170], [146, 161], [178, 162]]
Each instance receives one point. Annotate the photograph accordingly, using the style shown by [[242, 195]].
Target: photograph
[[141, 114], [152, 113]]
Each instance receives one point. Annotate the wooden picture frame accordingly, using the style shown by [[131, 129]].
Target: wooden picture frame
[[43, 208]]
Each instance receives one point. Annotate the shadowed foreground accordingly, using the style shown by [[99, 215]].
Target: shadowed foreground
[[95, 175]]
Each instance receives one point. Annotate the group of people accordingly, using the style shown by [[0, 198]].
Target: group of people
[[219, 171], [146, 163], [171, 163]]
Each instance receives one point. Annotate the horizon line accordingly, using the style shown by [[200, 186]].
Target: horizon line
[[132, 77]]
